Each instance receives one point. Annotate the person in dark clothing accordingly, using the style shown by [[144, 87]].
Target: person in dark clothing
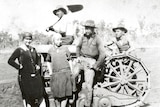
[[29, 78]]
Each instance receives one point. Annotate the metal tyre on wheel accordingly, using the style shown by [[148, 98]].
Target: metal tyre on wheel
[[126, 76]]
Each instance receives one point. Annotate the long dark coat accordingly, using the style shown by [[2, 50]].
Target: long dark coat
[[32, 88]]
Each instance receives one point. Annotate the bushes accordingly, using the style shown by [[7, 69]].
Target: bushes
[[147, 33], [6, 40], [38, 38]]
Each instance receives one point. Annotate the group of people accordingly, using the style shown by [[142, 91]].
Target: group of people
[[90, 54]]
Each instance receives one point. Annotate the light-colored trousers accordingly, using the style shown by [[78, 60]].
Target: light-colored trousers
[[85, 64]]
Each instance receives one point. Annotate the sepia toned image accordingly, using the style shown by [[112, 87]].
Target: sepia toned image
[[79, 53]]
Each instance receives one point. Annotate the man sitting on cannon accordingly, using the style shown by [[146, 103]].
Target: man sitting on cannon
[[90, 55]]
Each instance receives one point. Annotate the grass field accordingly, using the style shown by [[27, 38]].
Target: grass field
[[9, 90], [7, 72]]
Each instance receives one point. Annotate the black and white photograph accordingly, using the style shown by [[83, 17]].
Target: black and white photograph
[[79, 53]]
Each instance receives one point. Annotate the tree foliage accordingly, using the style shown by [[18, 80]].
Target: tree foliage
[[147, 32]]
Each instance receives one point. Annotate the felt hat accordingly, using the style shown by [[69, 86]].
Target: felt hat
[[62, 8], [89, 23], [120, 28]]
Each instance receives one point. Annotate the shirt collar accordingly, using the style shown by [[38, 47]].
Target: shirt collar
[[25, 48]]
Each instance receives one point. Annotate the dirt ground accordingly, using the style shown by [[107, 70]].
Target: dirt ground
[[10, 95]]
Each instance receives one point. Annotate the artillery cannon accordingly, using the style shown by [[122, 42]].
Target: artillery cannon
[[126, 83]]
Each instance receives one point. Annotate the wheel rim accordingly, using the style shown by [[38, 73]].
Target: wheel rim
[[126, 75]]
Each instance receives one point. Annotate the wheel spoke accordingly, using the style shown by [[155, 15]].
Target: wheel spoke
[[111, 84], [133, 73], [136, 80], [121, 67], [114, 70], [126, 89], [129, 67], [134, 87], [133, 92], [122, 89], [117, 87], [109, 76]]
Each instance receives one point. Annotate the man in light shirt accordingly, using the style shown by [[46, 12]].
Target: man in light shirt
[[63, 26]]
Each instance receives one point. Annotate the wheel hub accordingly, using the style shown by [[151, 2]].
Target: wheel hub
[[123, 81]]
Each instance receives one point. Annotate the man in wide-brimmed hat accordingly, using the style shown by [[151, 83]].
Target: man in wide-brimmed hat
[[63, 26], [120, 28], [90, 54], [60, 8], [121, 41], [90, 23]]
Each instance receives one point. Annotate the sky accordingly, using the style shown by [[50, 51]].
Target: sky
[[31, 15]]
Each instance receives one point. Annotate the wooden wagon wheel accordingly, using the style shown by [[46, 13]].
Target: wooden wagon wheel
[[127, 75]]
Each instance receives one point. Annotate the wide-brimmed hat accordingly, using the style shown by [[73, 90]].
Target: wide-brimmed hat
[[89, 23], [121, 28], [62, 8]]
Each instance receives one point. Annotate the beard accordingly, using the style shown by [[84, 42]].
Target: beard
[[88, 35]]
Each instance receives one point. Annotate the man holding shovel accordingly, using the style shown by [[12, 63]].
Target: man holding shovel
[[64, 25]]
